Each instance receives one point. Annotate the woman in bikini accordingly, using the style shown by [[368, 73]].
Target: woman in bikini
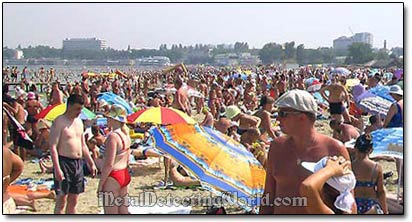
[[369, 190], [115, 175]]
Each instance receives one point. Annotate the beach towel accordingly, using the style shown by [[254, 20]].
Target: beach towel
[[24, 189]]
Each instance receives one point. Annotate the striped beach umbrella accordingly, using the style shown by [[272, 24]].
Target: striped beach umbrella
[[160, 115], [52, 112], [222, 165]]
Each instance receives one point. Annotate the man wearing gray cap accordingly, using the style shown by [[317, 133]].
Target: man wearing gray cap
[[284, 173]]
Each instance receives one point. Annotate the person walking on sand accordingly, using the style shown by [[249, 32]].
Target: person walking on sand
[[297, 115], [115, 175], [68, 148]]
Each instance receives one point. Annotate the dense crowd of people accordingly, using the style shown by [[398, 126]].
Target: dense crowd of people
[[270, 110]]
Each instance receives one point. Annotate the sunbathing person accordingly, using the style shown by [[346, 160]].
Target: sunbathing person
[[179, 176]]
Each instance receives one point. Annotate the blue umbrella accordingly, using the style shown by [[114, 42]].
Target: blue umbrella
[[112, 98], [240, 75], [375, 100], [388, 142], [340, 71]]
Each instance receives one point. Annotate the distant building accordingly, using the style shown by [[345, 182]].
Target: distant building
[[364, 37], [344, 42], [84, 43], [18, 54], [236, 59]]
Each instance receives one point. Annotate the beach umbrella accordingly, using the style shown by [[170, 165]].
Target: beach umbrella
[[312, 84], [53, 111], [112, 98], [340, 71], [240, 75], [160, 115], [398, 73], [375, 105], [223, 166], [388, 142], [357, 91], [352, 82]]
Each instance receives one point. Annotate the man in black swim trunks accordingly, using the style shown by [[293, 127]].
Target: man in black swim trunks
[[68, 148], [337, 95]]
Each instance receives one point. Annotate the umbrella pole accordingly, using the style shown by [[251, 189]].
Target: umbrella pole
[[399, 181]]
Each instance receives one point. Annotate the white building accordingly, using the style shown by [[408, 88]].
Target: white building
[[344, 42], [18, 54], [84, 43]]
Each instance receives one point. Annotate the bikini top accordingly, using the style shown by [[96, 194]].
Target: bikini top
[[370, 183], [102, 148], [123, 144]]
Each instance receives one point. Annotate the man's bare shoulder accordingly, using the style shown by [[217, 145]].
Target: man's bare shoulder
[[334, 146], [278, 143]]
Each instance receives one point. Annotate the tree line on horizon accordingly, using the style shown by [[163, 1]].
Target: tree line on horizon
[[357, 53]]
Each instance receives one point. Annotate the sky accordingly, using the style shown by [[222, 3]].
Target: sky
[[147, 25]]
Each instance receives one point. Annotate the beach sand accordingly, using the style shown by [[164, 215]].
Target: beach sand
[[146, 178]]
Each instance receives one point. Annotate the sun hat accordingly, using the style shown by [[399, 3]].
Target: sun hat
[[232, 111], [20, 92], [297, 99], [117, 112], [344, 184], [43, 124], [395, 89], [31, 95]]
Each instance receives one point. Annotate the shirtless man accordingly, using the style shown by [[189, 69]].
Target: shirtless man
[[266, 104], [337, 95], [180, 101], [284, 173], [342, 131], [68, 148], [56, 95]]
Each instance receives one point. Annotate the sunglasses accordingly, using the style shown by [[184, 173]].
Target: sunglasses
[[283, 114]]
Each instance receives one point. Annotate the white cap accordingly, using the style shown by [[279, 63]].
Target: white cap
[[344, 184], [395, 89], [297, 99]]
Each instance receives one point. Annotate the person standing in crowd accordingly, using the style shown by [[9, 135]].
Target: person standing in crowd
[[68, 148], [115, 175], [297, 115], [337, 95]]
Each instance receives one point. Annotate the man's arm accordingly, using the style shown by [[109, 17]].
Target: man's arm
[[54, 139], [89, 159], [323, 93]]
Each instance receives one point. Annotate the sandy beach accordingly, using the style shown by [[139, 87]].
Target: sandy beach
[[146, 178]]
